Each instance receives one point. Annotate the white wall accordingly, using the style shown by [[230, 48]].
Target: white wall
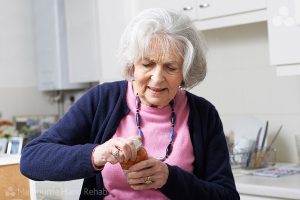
[[241, 82], [18, 90]]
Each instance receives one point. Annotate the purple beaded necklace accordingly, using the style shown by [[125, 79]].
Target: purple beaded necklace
[[173, 119]]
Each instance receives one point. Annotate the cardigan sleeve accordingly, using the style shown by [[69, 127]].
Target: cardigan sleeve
[[63, 152], [215, 179]]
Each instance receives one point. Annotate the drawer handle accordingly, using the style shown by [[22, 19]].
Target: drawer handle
[[204, 5], [188, 8]]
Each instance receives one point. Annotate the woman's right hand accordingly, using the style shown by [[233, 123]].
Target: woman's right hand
[[113, 151]]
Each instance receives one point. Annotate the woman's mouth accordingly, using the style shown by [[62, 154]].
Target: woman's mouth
[[155, 90]]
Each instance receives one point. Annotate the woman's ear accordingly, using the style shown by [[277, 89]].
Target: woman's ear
[[131, 71], [181, 85]]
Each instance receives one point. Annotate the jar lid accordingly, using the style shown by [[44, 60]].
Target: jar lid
[[137, 143]]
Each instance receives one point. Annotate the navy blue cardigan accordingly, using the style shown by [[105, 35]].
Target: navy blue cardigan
[[64, 151]]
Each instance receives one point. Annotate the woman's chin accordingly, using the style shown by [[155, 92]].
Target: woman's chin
[[156, 102], [156, 99]]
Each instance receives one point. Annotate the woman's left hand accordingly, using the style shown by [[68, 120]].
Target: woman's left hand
[[147, 174]]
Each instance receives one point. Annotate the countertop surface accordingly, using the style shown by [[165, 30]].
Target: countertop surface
[[286, 187], [6, 159]]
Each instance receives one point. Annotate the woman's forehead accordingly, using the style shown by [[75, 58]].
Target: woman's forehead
[[160, 55], [159, 51]]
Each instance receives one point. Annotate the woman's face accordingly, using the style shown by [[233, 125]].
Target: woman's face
[[157, 76]]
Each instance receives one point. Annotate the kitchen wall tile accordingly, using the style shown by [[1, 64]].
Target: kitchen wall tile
[[268, 93], [25, 101], [222, 90], [225, 89], [238, 47]]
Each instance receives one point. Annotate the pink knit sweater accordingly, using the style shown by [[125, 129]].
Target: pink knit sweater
[[155, 126]]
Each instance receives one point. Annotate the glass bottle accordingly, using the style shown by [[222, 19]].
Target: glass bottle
[[141, 155]]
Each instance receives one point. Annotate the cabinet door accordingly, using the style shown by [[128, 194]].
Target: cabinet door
[[215, 8], [82, 40], [188, 6], [113, 16], [284, 32], [51, 46]]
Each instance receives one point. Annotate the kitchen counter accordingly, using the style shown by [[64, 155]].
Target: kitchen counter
[[13, 184], [11, 176], [9, 159], [285, 187]]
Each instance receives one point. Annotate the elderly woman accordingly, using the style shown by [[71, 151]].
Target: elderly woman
[[162, 54]]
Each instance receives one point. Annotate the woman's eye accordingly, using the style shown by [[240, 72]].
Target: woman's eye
[[170, 68], [147, 64]]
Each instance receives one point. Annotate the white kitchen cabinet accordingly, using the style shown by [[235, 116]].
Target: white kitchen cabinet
[[210, 14], [113, 16], [216, 8], [213, 14], [204, 9], [94, 31], [189, 7], [82, 40], [51, 46], [284, 35]]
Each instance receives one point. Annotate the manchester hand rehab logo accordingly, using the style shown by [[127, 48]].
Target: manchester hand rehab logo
[[10, 192], [13, 194], [284, 17]]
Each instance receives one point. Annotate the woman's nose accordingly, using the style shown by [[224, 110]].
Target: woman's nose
[[157, 74]]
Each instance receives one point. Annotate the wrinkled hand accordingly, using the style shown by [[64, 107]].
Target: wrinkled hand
[[115, 150], [138, 174]]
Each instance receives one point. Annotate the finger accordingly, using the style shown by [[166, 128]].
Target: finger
[[149, 170], [115, 156], [157, 181], [136, 181], [142, 180], [142, 165], [133, 147], [128, 149], [140, 174], [141, 187], [144, 186], [119, 144], [116, 145]]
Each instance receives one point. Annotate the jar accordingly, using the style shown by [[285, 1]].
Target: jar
[[141, 155]]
